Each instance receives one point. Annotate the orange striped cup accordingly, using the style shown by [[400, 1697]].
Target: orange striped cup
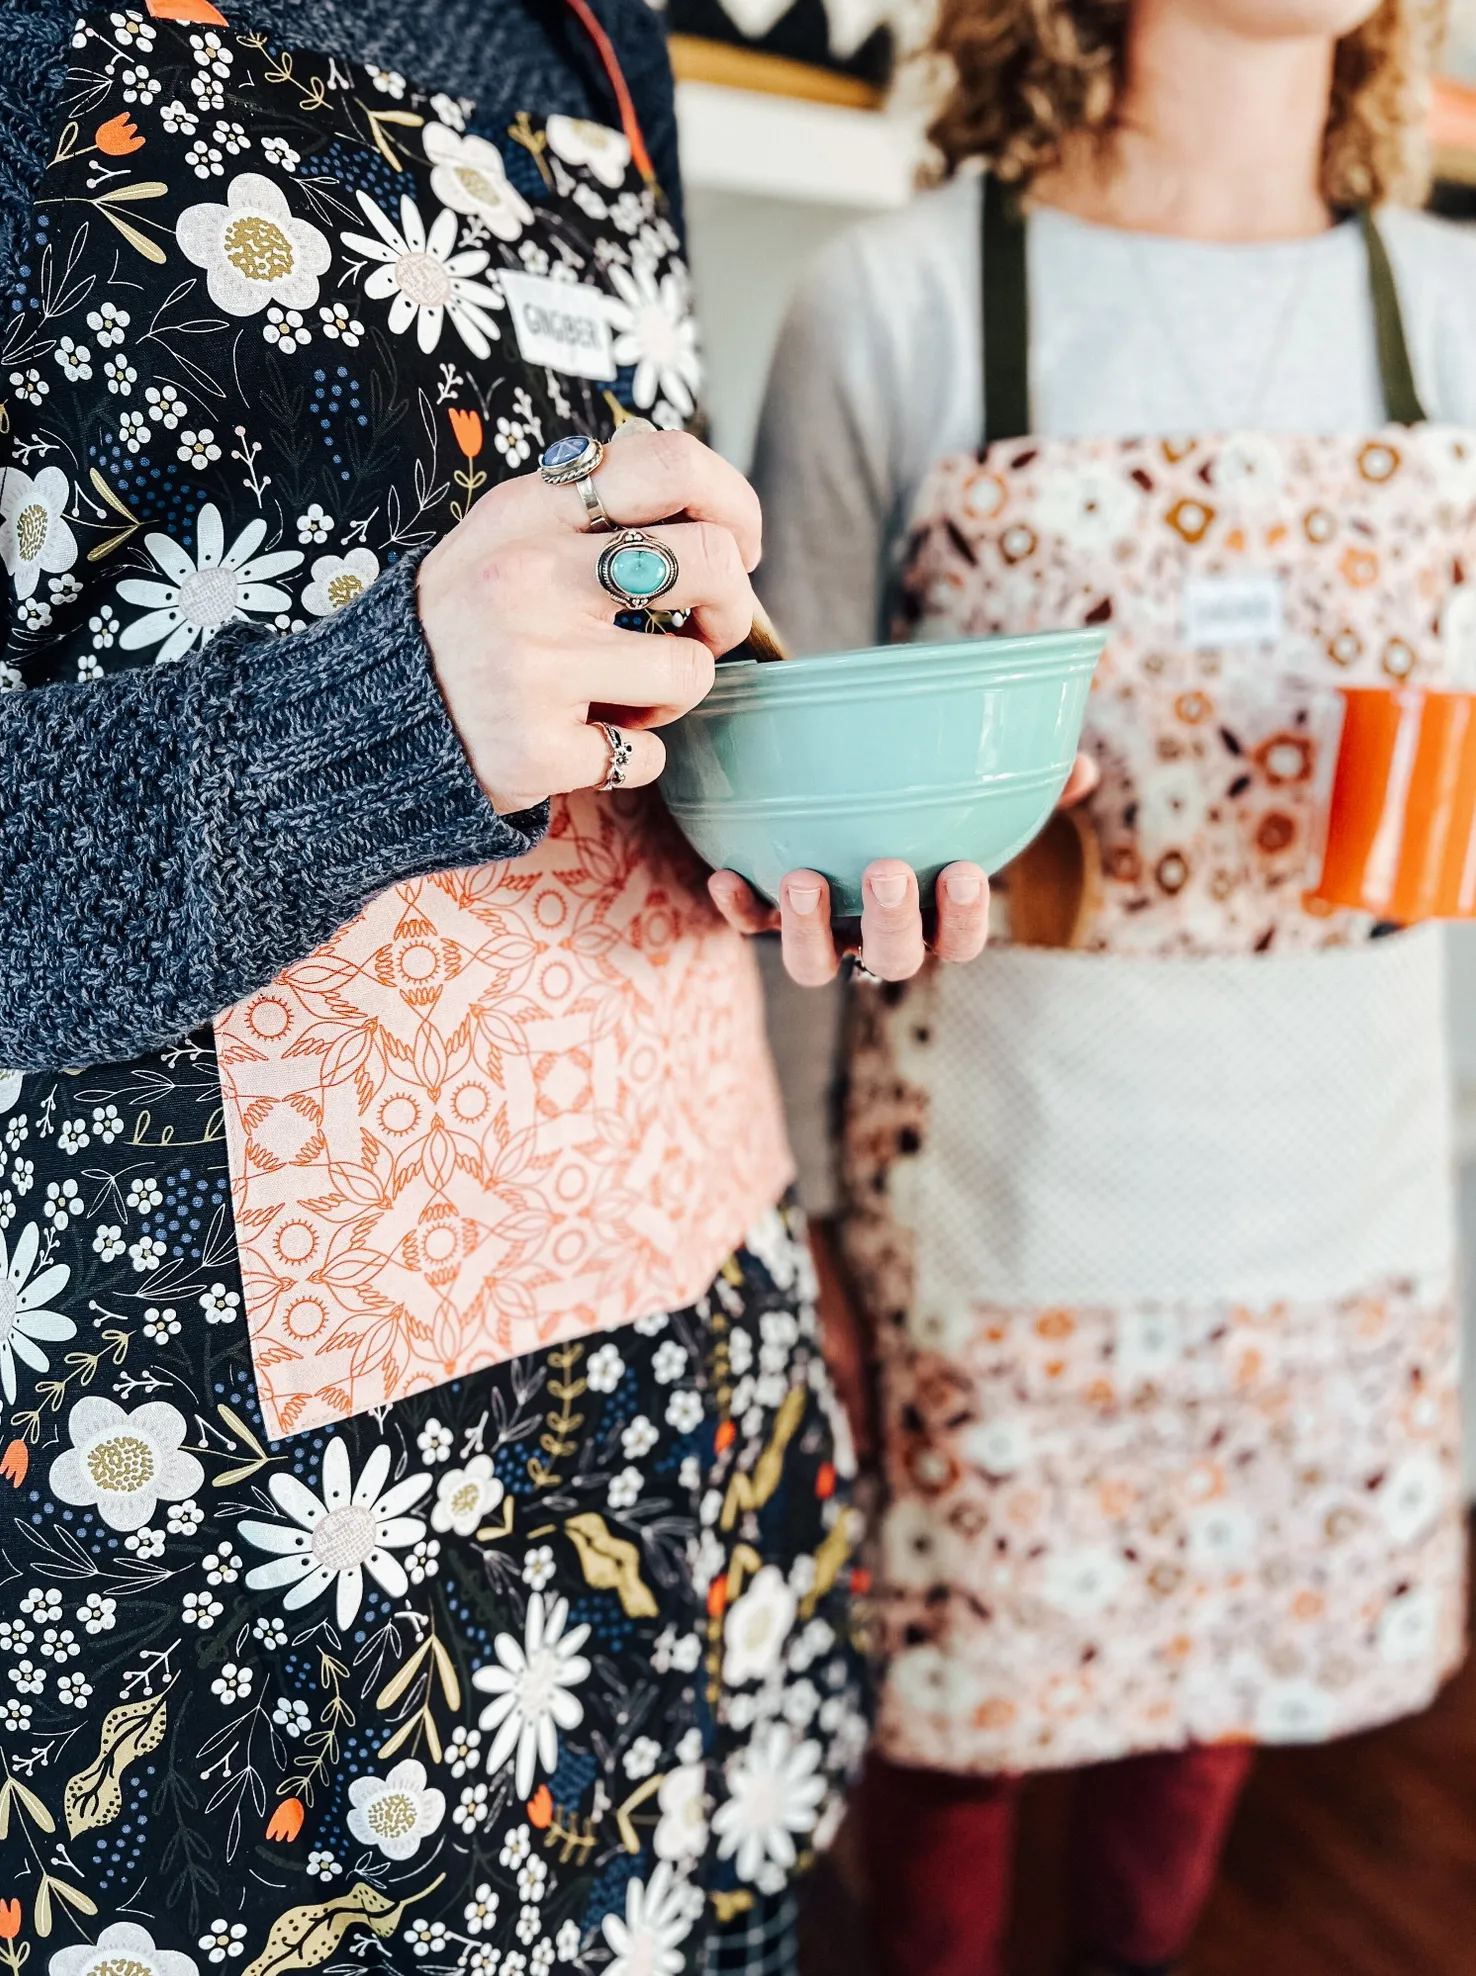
[[1401, 825]]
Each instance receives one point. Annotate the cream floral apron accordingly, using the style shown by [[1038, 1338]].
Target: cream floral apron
[[1157, 1232]]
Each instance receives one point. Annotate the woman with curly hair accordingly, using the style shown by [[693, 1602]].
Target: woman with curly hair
[[1150, 1214]]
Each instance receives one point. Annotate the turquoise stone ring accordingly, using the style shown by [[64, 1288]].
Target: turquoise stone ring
[[636, 569]]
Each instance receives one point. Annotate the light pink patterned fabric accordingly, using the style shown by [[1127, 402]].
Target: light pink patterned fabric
[[1126, 1528], [503, 1107]]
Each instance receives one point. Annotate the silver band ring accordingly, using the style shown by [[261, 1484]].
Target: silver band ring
[[622, 754], [637, 568], [599, 523], [574, 457]]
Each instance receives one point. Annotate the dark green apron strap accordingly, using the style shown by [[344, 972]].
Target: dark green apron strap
[[1401, 400], [1006, 315]]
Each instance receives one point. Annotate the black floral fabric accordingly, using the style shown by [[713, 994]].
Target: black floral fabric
[[547, 1668]]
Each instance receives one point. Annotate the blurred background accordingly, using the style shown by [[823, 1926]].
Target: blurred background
[[1356, 1859]]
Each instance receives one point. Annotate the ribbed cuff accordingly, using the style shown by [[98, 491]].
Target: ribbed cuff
[[355, 755]]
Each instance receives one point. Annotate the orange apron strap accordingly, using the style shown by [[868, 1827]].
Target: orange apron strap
[[630, 123]]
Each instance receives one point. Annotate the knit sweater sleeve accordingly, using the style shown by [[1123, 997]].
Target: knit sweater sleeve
[[172, 838]]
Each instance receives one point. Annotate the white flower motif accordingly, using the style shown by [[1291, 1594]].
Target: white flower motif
[[335, 1540], [532, 1880], [29, 386], [15, 1714], [652, 1326], [183, 1519], [539, 1569], [107, 1123], [568, 1942], [121, 1947], [757, 1627], [604, 153], [642, 1758], [72, 1137], [220, 1304], [231, 137], [511, 440], [97, 1614], [253, 251], [146, 1253], [144, 1194], [179, 119], [75, 359], [472, 1809], [120, 374], [426, 277], [146, 1543], [134, 431], [639, 1438], [124, 1464], [160, 1326], [605, 1370], [397, 1812], [530, 1925], [202, 594], [35, 536], [628, 212], [682, 1801], [201, 1609], [468, 176], [464, 1752], [1082, 1582], [108, 323], [340, 324], [222, 1566], [205, 160], [62, 1202], [684, 1412], [516, 1847], [531, 1687], [659, 1914], [654, 330], [198, 449], [669, 1363], [138, 85], [533, 257], [322, 1865], [451, 111], [286, 329], [134, 31], [271, 1631], [224, 1938], [74, 1690], [316, 526], [277, 151], [1092, 507], [27, 1320], [465, 1495], [589, 201], [59, 1643], [292, 1717], [625, 1488], [774, 1795], [389, 81], [233, 1683], [481, 1910], [211, 53], [339, 580], [423, 1560], [207, 92]]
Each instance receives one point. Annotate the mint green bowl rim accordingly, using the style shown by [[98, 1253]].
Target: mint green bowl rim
[[745, 685]]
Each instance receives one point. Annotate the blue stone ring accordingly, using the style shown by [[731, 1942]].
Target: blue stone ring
[[636, 569], [570, 462]]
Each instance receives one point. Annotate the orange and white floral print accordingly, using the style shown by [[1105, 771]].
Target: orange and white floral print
[[1131, 1525], [502, 1107]]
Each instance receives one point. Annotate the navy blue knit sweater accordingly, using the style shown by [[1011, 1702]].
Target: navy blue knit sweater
[[172, 838]]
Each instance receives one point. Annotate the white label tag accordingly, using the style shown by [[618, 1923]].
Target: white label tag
[[560, 325], [1233, 610]]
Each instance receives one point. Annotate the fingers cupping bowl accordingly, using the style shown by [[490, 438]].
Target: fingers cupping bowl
[[924, 753]]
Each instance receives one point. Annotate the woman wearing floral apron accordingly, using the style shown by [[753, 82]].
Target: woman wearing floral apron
[[1154, 1234], [423, 1531]]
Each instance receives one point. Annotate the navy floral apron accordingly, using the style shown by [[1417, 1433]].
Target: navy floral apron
[[549, 1667]]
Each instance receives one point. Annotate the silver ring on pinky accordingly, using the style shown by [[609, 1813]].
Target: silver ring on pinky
[[622, 754]]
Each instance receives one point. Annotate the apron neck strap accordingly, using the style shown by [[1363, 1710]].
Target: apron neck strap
[[619, 88], [1006, 320]]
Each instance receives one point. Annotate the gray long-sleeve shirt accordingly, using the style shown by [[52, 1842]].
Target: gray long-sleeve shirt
[[173, 837]]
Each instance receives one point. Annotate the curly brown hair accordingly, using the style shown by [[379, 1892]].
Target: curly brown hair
[[1028, 74]]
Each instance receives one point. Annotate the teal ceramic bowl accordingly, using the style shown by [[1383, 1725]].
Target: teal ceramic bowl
[[922, 752]]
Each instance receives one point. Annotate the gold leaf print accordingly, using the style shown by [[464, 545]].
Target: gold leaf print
[[303, 1937], [610, 1564], [746, 1492], [93, 1796]]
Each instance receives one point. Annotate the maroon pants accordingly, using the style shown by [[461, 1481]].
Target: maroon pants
[[1145, 1845]]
